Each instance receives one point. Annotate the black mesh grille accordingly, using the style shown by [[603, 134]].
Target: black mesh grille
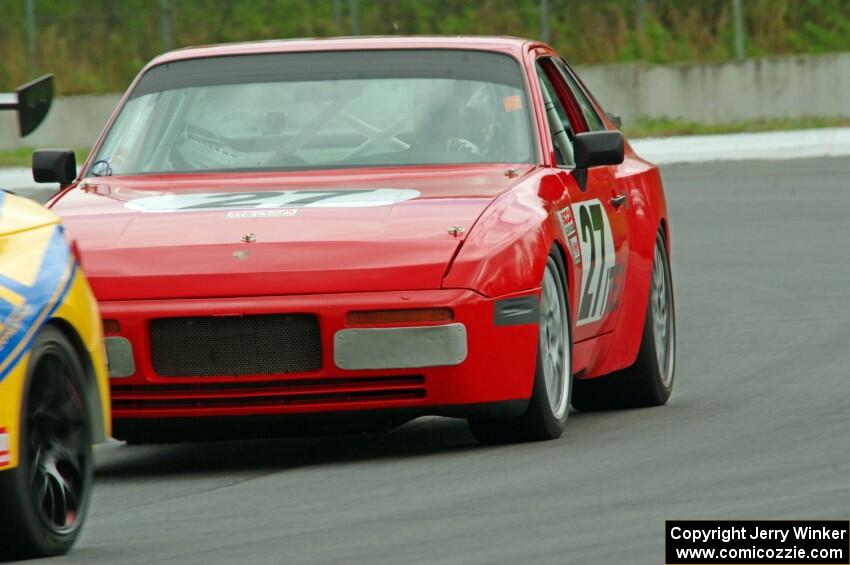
[[237, 345], [288, 392]]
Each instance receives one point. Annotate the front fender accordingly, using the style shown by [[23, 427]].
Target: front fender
[[506, 250]]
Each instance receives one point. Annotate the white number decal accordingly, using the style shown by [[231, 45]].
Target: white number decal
[[598, 254], [271, 199]]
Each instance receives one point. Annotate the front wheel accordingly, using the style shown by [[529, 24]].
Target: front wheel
[[649, 381], [550, 400], [46, 497]]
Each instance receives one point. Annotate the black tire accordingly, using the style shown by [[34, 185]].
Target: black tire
[[38, 517], [648, 382], [541, 420]]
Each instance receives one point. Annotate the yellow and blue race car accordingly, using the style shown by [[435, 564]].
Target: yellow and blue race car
[[54, 399]]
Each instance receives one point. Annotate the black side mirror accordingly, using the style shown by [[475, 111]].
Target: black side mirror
[[54, 165], [596, 148]]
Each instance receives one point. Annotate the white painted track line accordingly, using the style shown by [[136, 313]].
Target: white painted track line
[[775, 145]]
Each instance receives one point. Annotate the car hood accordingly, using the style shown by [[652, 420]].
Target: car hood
[[185, 236]]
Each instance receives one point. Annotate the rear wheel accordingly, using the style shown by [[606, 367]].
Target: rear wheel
[[550, 400], [649, 381], [46, 497]]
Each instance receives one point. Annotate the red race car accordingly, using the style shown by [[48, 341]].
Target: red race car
[[373, 229]]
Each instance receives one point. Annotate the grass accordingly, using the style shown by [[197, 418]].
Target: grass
[[643, 127], [22, 157], [668, 127]]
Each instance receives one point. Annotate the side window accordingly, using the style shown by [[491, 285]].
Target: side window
[[594, 123], [559, 124]]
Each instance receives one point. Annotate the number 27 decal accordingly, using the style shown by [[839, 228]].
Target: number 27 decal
[[598, 254]]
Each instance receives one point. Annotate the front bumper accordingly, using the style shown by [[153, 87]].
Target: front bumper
[[496, 366]]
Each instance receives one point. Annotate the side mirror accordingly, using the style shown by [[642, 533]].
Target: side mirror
[[596, 148], [54, 165]]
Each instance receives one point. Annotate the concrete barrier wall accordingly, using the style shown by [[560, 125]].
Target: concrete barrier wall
[[781, 87], [73, 122], [709, 93]]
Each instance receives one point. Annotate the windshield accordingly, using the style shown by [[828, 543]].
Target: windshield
[[321, 110]]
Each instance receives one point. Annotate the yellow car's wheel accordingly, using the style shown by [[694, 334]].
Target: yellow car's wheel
[[47, 495]]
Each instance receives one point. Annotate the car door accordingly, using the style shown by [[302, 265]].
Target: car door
[[596, 206]]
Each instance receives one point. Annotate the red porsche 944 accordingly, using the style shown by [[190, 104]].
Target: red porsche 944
[[366, 231]]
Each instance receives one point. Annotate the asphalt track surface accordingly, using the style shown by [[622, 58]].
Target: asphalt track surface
[[758, 425]]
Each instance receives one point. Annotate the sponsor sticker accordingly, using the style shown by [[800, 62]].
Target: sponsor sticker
[[569, 224], [570, 233], [575, 248], [4, 447], [11, 326], [283, 213], [512, 103]]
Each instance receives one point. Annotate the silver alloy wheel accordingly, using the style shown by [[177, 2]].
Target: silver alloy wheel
[[554, 340], [663, 324]]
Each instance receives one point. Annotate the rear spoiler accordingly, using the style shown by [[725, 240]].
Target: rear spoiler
[[32, 101]]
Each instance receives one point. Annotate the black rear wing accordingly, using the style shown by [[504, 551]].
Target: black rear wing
[[32, 101]]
